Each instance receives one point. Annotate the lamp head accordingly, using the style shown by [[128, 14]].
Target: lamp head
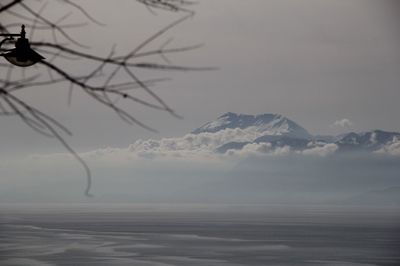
[[23, 55]]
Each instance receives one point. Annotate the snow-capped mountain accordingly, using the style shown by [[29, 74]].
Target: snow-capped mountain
[[367, 141], [265, 124], [278, 131], [240, 135]]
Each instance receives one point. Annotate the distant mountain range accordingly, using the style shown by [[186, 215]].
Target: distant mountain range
[[279, 131]]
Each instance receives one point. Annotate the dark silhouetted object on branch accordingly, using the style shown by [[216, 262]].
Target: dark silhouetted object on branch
[[102, 81]]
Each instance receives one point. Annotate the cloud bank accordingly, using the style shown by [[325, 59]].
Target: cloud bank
[[393, 148], [204, 146], [190, 169]]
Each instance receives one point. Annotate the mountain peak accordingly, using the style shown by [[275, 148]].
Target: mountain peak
[[370, 140], [238, 130], [267, 124]]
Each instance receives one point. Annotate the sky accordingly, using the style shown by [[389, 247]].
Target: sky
[[331, 66], [316, 62]]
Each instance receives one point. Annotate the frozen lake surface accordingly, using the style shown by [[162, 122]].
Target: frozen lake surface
[[163, 235]]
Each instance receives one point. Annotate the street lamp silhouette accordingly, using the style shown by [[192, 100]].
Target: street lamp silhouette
[[22, 55]]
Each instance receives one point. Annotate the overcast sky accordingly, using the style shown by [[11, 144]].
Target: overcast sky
[[313, 61]]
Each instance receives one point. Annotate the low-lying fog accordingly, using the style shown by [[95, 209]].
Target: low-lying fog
[[259, 179]]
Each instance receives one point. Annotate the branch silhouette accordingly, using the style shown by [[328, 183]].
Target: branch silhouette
[[101, 83]]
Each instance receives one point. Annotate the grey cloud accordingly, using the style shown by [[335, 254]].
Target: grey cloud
[[342, 123], [392, 148]]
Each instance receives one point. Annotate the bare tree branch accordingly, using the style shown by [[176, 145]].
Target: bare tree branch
[[101, 83]]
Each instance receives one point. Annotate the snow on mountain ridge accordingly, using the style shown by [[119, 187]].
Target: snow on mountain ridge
[[237, 136], [264, 124], [370, 140], [279, 132]]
